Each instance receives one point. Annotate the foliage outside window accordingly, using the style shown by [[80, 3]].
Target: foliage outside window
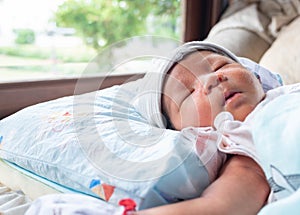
[[94, 25], [102, 22], [24, 36]]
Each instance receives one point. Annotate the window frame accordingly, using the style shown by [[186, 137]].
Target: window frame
[[18, 95]]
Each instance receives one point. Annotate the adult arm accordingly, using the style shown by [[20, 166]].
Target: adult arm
[[240, 189]]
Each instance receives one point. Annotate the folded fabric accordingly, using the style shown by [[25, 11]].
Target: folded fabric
[[269, 80], [150, 89], [280, 13], [13, 202]]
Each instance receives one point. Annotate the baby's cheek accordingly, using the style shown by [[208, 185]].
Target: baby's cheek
[[205, 110], [189, 115]]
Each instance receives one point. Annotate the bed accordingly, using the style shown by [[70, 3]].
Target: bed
[[270, 34]]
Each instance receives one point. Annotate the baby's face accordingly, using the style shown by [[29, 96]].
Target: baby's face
[[204, 84]]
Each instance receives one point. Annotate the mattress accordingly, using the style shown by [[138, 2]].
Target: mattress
[[21, 180]]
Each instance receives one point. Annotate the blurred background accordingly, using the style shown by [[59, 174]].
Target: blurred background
[[46, 39]]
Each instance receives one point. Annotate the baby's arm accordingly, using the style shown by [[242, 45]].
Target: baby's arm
[[240, 189]]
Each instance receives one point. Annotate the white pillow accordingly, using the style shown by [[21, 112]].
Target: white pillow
[[283, 57], [98, 144], [242, 32]]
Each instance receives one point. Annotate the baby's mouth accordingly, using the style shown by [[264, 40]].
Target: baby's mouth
[[230, 96]]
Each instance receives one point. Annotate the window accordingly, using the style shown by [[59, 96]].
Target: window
[[54, 39]]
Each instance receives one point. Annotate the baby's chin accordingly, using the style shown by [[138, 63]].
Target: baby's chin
[[241, 115]]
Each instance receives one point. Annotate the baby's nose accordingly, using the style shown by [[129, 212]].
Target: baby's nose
[[213, 80]]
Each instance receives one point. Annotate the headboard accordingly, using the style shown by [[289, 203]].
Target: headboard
[[18, 95]]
